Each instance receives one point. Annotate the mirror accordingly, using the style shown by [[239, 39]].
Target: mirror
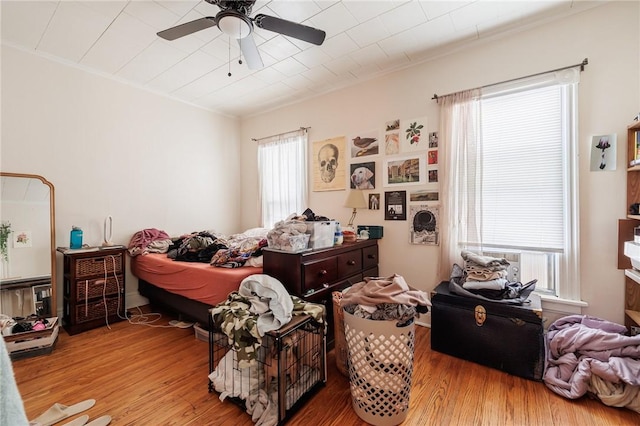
[[27, 246]]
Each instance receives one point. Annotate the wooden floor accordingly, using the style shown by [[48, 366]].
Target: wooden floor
[[158, 376]]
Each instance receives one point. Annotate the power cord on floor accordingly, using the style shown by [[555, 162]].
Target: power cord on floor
[[148, 319]]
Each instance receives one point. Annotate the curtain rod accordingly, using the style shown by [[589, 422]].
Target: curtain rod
[[301, 128], [582, 64]]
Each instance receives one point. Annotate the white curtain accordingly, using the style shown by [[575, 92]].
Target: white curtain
[[460, 149], [282, 173], [509, 175]]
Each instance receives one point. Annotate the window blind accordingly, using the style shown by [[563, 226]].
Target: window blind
[[522, 183]]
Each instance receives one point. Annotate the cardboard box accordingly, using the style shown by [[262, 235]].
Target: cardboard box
[[321, 234]]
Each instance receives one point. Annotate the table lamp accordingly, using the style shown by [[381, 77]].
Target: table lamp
[[355, 200]]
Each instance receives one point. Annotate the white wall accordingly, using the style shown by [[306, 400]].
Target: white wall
[[111, 149], [608, 100]]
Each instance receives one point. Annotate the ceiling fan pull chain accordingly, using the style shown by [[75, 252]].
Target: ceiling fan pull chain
[[229, 73], [240, 41]]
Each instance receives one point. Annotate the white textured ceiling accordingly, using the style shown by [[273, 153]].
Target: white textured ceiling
[[364, 39]]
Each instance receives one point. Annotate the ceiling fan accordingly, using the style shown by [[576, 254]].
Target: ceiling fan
[[233, 19]]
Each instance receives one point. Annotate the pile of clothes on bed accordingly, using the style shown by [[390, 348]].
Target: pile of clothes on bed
[[592, 356], [204, 246]]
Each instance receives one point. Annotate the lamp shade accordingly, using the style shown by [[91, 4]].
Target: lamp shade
[[356, 199]]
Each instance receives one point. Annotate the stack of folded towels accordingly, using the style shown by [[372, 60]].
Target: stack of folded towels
[[484, 272]]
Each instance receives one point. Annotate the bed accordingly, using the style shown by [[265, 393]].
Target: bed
[[189, 288]]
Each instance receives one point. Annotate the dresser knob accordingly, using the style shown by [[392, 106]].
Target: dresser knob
[[322, 272], [325, 285], [371, 256], [351, 262]]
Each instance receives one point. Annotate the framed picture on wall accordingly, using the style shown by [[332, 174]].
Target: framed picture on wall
[[395, 205], [405, 170], [392, 137], [425, 225], [329, 165], [363, 175], [413, 135], [374, 201], [364, 144]]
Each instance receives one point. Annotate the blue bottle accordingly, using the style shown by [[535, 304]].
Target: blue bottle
[[76, 238]]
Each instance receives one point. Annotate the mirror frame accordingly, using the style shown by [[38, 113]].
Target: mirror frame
[[52, 221]]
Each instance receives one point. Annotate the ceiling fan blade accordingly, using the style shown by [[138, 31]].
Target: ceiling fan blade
[[291, 29], [250, 52], [187, 28]]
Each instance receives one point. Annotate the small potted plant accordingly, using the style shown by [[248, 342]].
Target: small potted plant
[[5, 231]]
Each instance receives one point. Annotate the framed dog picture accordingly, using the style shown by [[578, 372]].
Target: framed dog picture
[[363, 175]]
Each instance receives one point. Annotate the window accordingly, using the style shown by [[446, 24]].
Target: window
[[282, 171], [512, 178]]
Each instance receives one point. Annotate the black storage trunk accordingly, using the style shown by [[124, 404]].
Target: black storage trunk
[[511, 337]]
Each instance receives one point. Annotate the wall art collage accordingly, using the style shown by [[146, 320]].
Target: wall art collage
[[398, 167]]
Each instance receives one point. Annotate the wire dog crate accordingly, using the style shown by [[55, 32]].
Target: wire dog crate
[[290, 367]]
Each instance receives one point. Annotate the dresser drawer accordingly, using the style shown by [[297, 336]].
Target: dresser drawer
[[349, 263], [320, 274], [370, 257]]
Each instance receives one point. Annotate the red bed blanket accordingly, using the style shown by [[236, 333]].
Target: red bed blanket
[[197, 281]]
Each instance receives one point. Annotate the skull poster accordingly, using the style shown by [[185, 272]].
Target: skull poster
[[329, 165]]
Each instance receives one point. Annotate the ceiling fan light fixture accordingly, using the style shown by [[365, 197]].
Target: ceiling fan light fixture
[[234, 24]]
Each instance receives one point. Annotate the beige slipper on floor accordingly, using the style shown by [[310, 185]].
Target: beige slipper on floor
[[180, 324], [100, 421], [59, 412], [80, 421]]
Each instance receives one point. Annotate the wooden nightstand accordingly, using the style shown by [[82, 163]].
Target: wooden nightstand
[[94, 283]]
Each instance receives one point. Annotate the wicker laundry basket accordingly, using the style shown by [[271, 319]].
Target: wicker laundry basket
[[380, 356]]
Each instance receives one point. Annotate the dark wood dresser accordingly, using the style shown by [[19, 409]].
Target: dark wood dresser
[[314, 275]]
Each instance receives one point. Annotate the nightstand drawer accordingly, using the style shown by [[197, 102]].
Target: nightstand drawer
[[98, 265], [91, 289], [319, 274], [89, 311]]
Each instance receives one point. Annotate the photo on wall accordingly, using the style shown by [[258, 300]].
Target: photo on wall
[[364, 144], [392, 137], [392, 143], [405, 170], [433, 140], [395, 205], [374, 201], [329, 165], [363, 175], [432, 157], [433, 176], [414, 135], [423, 195], [603, 153], [425, 228]]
